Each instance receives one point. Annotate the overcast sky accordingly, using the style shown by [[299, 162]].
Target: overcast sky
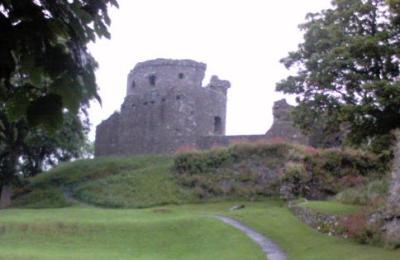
[[240, 40]]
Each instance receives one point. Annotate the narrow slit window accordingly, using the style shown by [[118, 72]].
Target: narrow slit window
[[152, 80]]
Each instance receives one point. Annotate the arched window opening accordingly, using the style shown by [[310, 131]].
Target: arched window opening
[[181, 76], [133, 84], [217, 125]]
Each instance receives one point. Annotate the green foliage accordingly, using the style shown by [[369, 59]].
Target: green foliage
[[326, 172], [205, 161], [348, 69], [246, 170], [46, 70], [42, 150], [253, 170], [372, 193]]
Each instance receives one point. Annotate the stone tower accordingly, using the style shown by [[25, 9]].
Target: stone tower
[[165, 107]]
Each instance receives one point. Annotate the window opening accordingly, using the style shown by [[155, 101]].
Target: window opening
[[217, 125], [152, 80]]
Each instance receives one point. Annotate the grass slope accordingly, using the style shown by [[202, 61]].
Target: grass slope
[[140, 181]]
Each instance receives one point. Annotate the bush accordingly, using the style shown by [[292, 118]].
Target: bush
[[272, 166], [328, 171], [372, 193], [358, 227]]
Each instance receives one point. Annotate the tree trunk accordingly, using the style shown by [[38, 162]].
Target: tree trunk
[[8, 172], [5, 199], [394, 193], [392, 226]]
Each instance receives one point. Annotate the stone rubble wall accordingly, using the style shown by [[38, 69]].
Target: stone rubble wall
[[283, 127], [321, 222]]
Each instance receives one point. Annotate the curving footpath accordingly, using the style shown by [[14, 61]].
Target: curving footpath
[[271, 250]]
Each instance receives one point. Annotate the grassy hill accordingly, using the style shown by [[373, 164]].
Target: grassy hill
[[243, 171], [130, 182]]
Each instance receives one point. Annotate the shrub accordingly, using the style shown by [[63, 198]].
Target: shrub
[[357, 226], [372, 193], [295, 170]]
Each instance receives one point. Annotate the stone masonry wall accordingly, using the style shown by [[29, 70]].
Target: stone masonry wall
[[166, 107]]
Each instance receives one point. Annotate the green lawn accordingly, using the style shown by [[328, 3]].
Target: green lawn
[[171, 232], [92, 233]]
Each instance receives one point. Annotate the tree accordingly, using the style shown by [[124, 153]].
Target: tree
[[46, 70], [42, 150], [348, 69]]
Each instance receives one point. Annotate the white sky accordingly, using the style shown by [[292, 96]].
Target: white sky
[[240, 40]]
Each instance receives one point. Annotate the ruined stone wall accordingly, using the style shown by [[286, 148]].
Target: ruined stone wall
[[208, 142], [282, 126], [166, 107], [107, 137]]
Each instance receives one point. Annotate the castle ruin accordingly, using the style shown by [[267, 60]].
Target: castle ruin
[[166, 107]]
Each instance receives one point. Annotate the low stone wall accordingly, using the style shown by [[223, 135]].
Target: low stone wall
[[322, 222]]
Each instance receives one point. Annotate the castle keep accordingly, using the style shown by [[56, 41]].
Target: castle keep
[[166, 107]]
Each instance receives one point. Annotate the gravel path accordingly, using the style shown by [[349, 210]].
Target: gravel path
[[271, 250]]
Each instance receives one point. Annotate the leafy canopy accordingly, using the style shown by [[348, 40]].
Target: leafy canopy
[[348, 68], [46, 75], [45, 65]]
